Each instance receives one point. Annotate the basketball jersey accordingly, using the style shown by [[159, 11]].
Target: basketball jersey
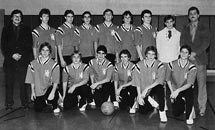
[[75, 75], [180, 75], [41, 35], [105, 37], [145, 75], [125, 39], [101, 70], [86, 39], [144, 37], [42, 75], [123, 74], [65, 37]]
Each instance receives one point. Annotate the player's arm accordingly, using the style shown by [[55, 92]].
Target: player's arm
[[35, 36], [55, 80], [137, 40], [33, 94], [168, 76], [56, 58], [139, 52]]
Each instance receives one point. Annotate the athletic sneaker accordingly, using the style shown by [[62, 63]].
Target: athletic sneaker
[[57, 110], [132, 111], [92, 103], [83, 108], [116, 104], [189, 121], [163, 117]]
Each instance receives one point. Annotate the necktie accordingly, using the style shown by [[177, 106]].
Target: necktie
[[192, 31], [169, 34]]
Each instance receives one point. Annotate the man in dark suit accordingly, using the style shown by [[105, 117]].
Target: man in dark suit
[[16, 43], [196, 35]]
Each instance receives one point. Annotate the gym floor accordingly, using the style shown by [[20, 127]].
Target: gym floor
[[19, 119]]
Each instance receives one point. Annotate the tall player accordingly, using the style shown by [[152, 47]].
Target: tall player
[[125, 35], [65, 38], [44, 33], [145, 34], [86, 38], [105, 32]]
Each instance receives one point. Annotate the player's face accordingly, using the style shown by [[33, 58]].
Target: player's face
[[169, 23], [150, 55], [147, 18], [87, 18], [101, 55], [16, 19], [193, 16], [108, 16], [124, 58], [76, 58], [69, 18], [127, 19], [45, 52], [45, 18], [184, 54]]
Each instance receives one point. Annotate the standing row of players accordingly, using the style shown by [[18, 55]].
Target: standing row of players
[[69, 38]]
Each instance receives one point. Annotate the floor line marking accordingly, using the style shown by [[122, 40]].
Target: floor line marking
[[10, 112]]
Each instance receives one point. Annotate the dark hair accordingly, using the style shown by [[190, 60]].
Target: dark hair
[[126, 52], [44, 11], [193, 8], [168, 17], [77, 52], [151, 48], [186, 47], [16, 11], [127, 12], [45, 44], [146, 12], [68, 12], [86, 12], [102, 48], [108, 10]]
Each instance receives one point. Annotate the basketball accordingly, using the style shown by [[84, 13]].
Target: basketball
[[107, 108]]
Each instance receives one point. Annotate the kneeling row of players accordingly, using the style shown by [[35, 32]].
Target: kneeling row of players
[[126, 84]]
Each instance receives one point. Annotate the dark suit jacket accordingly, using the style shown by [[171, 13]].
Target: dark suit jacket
[[11, 45], [200, 43]]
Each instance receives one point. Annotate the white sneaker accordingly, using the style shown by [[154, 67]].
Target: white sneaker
[[61, 104], [189, 121], [163, 117], [83, 108], [132, 111], [153, 102], [92, 103], [116, 104], [57, 110]]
